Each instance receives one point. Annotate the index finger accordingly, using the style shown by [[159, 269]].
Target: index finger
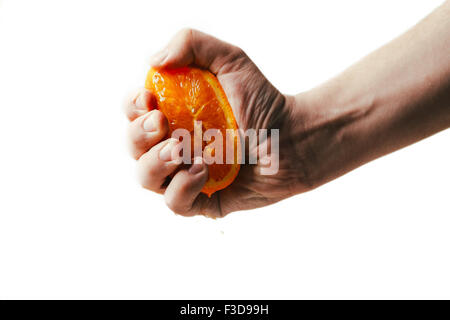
[[139, 103]]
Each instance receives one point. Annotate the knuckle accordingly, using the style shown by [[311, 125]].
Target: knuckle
[[186, 32], [186, 35], [237, 56], [238, 51]]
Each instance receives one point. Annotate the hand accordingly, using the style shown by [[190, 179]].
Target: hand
[[256, 104], [324, 133]]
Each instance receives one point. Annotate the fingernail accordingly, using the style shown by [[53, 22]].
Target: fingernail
[[150, 123], [141, 102], [159, 57], [166, 153], [197, 166]]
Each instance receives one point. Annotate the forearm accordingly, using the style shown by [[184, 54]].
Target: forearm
[[394, 97]]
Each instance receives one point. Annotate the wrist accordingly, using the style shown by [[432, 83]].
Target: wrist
[[328, 132]]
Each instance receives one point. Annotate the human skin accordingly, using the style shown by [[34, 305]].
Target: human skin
[[395, 96]]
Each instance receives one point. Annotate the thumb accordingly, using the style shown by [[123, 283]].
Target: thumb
[[190, 46]]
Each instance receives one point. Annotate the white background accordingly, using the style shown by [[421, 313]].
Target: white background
[[74, 223]]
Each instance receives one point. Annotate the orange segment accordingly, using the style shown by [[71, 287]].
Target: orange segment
[[188, 94]]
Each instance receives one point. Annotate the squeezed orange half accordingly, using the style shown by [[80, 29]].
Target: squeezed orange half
[[190, 94]]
